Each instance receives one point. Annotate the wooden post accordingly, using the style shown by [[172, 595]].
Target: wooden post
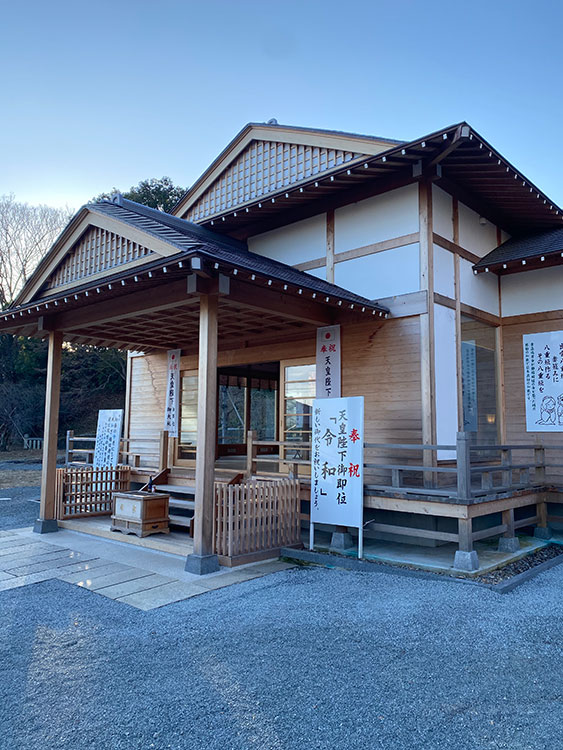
[[465, 532], [542, 530], [463, 467], [69, 446], [539, 460], [508, 542], [251, 451], [163, 451], [204, 560], [47, 512]]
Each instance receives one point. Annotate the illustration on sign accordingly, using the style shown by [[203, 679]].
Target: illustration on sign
[[171, 421], [543, 380], [328, 362], [469, 385], [337, 484], [108, 435]]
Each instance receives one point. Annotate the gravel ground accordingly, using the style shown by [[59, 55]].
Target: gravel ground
[[15, 509], [308, 658], [519, 566]]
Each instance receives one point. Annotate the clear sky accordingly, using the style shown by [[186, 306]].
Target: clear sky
[[105, 94]]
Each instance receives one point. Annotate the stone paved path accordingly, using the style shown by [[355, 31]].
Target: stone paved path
[[25, 560]]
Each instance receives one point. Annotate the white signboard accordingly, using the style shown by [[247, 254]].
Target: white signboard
[[108, 435], [543, 379], [337, 477], [328, 362], [469, 385], [171, 417]]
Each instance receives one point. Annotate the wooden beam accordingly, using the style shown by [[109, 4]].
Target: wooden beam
[[427, 319], [203, 560], [458, 337], [47, 512]]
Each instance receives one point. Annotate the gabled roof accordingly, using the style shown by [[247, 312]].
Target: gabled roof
[[180, 241], [523, 253], [238, 168], [456, 158]]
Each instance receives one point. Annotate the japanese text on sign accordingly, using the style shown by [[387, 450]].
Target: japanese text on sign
[[469, 385], [171, 421], [337, 485], [108, 435], [328, 362], [543, 381]]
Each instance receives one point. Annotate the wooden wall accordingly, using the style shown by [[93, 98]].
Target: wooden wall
[[381, 361]]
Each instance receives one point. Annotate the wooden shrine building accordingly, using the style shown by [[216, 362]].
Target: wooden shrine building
[[435, 256]]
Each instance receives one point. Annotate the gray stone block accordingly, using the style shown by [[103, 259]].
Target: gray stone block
[[201, 565], [508, 544], [542, 532], [467, 561], [341, 540], [45, 526]]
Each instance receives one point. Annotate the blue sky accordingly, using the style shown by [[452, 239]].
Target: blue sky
[[105, 94]]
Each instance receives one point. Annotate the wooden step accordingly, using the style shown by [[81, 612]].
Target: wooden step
[[175, 489], [179, 521], [178, 502]]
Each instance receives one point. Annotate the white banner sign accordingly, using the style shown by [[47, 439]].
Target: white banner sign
[[543, 380], [337, 478], [469, 385], [108, 435], [328, 362], [171, 416]]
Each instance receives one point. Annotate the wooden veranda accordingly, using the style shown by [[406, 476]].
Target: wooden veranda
[[199, 299]]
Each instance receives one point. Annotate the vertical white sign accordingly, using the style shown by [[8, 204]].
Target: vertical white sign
[[328, 362], [108, 436], [337, 477], [543, 381], [469, 385], [171, 416]]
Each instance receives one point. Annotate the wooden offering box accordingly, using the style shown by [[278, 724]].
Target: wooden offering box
[[140, 513]]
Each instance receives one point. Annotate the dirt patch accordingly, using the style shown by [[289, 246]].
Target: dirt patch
[[15, 478], [520, 566]]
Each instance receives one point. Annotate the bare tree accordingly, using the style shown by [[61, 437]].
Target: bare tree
[[26, 233]]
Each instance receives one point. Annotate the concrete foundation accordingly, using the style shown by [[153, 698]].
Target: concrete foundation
[[543, 532], [467, 561], [45, 526], [508, 544], [201, 565], [341, 540]]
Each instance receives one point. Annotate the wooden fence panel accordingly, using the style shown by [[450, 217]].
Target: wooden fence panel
[[88, 491], [256, 516]]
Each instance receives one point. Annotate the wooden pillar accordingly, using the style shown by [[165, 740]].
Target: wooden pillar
[[465, 532], [204, 560], [47, 512]]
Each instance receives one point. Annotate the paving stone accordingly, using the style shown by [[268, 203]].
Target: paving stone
[[80, 567], [271, 566], [5, 576], [19, 581], [78, 576], [94, 582], [6, 544], [51, 563], [161, 595], [26, 549], [133, 586], [30, 558]]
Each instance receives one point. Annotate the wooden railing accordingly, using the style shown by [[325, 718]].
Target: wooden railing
[[80, 450], [88, 491], [255, 519]]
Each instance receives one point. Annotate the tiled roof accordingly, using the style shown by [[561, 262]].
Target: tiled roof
[[191, 238], [523, 248]]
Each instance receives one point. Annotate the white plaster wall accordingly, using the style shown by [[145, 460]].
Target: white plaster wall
[[442, 213], [532, 291], [478, 238], [383, 274], [295, 243], [479, 291], [381, 217], [446, 378], [444, 272]]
